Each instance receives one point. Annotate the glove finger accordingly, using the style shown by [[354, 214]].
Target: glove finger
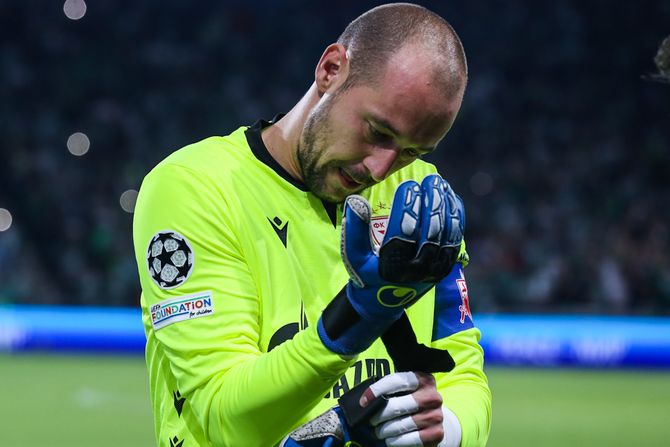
[[433, 219], [356, 246], [437, 263], [404, 223], [394, 408], [402, 233], [395, 427], [433, 210], [394, 383], [411, 439], [452, 235]]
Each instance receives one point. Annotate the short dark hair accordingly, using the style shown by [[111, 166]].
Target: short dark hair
[[375, 36]]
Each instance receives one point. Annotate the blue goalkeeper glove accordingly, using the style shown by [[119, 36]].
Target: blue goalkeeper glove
[[420, 247]]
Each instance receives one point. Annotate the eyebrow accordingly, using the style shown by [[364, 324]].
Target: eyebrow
[[385, 125]]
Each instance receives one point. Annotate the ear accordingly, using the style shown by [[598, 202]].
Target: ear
[[332, 69]]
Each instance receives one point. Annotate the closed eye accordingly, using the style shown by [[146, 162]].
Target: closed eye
[[412, 153], [377, 135], [383, 136]]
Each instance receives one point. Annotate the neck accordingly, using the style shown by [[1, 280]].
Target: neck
[[282, 138]]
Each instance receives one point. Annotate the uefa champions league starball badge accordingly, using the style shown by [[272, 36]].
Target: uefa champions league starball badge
[[169, 259]]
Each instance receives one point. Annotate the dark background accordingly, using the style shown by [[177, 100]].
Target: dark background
[[561, 150]]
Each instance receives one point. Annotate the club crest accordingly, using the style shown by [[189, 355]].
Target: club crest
[[378, 225]]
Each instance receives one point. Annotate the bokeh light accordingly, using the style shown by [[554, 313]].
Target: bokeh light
[[481, 183], [5, 219], [78, 144], [128, 200], [74, 9]]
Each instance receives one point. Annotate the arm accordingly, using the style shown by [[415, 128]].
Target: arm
[[452, 409], [415, 416], [463, 392], [465, 389], [237, 394]]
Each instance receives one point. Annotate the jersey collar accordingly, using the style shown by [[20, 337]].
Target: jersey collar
[[260, 151], [253, 134]]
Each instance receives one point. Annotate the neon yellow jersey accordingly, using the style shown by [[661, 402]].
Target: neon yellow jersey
[[236, 263]]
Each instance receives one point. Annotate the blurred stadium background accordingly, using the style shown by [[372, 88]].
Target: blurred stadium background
[[561, 153]]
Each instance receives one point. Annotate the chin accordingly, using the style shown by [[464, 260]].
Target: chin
[[331, 190], [332, 197], [327, 193]]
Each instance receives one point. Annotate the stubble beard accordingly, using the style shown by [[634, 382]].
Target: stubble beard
[[312, 145]]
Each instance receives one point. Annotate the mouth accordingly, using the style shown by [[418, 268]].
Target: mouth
[[347, 181]]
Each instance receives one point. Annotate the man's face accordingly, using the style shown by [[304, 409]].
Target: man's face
[[358, 137]]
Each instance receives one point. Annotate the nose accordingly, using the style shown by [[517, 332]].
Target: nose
[[380, 162]]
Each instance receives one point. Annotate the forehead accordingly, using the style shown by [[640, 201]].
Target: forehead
[[407, 96]]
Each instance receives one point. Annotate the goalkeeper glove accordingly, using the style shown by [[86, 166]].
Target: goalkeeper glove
[[421, 246]]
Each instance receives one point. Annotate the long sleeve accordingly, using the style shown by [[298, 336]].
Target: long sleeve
[[233, 393], [465, 389]]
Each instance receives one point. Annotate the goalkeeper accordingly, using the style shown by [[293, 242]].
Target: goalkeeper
[[278, 263]]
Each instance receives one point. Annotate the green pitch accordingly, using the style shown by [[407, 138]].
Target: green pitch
[[53, 401], [58, 401], [562, 407]]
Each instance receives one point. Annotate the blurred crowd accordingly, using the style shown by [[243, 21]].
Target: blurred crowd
[[561, 151]]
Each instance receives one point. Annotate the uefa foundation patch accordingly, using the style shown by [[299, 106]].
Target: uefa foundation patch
[[181, 308]]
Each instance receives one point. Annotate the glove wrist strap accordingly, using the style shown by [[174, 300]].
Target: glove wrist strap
[[344, 331]]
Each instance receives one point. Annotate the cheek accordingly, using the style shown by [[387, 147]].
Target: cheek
[[340, 149], [347, 148], [346, 134]]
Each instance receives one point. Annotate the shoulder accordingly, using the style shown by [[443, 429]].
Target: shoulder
[[196, 174], [212, 155]]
